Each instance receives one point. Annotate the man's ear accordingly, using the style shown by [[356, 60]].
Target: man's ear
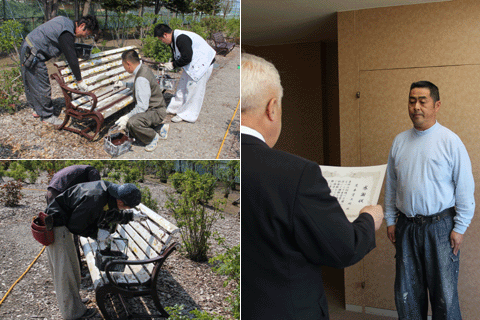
[[271, 109]]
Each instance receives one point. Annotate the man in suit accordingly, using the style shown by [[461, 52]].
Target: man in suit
[[291, 225]]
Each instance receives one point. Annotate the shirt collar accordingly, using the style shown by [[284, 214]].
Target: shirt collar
[[137, 68], [251, 132]]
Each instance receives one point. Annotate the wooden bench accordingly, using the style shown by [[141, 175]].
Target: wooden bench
[[221, 45], [99, 72], [148, 247]]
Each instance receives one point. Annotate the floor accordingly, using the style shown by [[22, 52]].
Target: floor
[[336, 298]]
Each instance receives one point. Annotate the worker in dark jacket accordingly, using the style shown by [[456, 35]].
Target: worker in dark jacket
[[47, 41], [91, 209]]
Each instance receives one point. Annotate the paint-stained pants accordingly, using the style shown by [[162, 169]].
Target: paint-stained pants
[[63, 261], [425, 261], [188, 99], [37, 86], [141, 125]]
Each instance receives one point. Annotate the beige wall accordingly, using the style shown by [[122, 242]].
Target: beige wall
[[381, 52], [300, 71]]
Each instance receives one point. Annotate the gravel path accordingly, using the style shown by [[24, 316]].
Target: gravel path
[[182, 281], [23, 137]]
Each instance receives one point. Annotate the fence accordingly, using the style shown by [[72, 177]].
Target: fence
[[31, 14]]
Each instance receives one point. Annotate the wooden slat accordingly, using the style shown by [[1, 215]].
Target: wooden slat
[[143, 243], [91, 71], [170, 227], [62, 64]]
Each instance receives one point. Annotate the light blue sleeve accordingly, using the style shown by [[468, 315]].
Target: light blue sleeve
[[464, 188], [390, 190], [142, 95]]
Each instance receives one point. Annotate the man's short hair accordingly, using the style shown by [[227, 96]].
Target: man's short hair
[[161, 29], [259, 78], [434, 93], [131, 56], [91, 23]]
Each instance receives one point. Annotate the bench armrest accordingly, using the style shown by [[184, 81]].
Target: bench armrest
[[161, 258], [66, 90]]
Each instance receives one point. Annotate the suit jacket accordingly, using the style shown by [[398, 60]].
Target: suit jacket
[[291, 225]]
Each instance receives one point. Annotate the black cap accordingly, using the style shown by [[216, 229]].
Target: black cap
[[128, 193]]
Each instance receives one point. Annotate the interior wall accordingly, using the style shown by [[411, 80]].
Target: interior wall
[[381, 52], [300, 68]]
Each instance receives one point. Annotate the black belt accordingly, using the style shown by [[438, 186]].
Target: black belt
[[419, 219]]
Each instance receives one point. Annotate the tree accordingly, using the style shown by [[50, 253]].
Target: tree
[[50, 8], [86, 7], [226, 6], [211, 7]]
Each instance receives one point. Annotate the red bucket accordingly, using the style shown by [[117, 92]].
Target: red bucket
[[40, 232]]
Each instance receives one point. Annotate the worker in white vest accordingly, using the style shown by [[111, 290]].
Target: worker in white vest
[[192, 53]]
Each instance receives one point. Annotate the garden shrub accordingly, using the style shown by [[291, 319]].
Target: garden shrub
[[193, 217], [155, 49], [233, 28], [229, 264], [11, 38], [213, 24], [10, 193], [17, 171], [147, 198], [11, 88]]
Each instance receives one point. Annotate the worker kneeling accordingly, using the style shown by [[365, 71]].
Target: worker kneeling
[[150, 107]]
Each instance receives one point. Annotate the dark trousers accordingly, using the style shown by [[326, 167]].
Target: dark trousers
[[425, 261], [37, 86], [141, 125]]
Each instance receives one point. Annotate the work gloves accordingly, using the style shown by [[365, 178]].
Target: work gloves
[[118, 84], [138, 216], [121, 123], [82, 86], [104, 239], [168, 66]]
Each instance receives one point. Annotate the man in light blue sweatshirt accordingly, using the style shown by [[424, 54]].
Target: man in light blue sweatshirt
[[429, 203]]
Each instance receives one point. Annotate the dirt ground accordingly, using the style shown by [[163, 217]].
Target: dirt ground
[[217, 130], [182, 281]]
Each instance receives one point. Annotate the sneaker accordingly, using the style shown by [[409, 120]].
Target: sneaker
[[52, 120], [152, 145], [89, 313], [176, 119], [164, 131]]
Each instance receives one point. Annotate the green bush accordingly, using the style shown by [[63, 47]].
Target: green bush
[[147, 198], [233, 28], [213, 24], [178, 180], [155, 49], [193, 217], [33, 176], [229, 264], [17, 171], [11, 88], [175, 23], [10, 193], [131, 174], [11, 38]]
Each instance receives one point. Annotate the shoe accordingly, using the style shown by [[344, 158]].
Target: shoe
[[152, 145], [176, 119], [88, 314], [164, 131], [86, 300], [52, 120]]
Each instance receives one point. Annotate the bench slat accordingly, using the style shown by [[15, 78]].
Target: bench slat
[[62, 64], [91, 71], [169, 227]]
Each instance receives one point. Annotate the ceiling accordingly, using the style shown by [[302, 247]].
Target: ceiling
[[269, 22]]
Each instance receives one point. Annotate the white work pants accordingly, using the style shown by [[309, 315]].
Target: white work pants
[[188, 99], [63, 261]]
